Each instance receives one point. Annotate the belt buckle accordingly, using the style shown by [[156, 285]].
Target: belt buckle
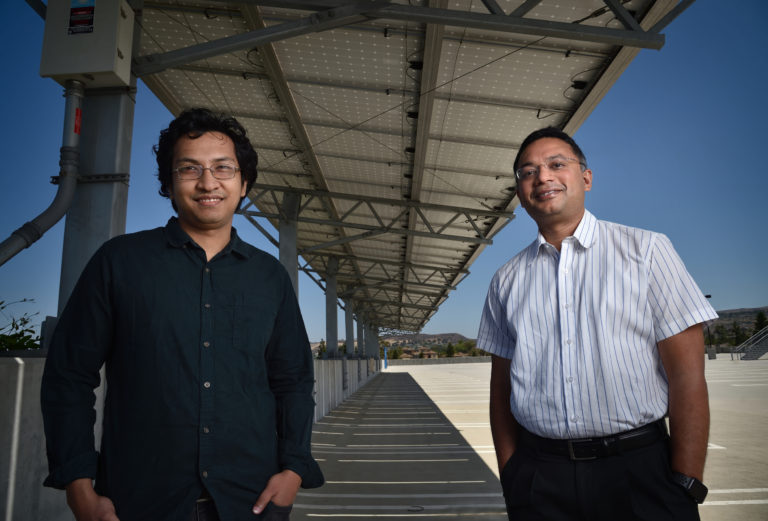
[[572, 454]]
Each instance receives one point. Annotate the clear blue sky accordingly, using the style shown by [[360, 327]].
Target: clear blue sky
[[676, 146]]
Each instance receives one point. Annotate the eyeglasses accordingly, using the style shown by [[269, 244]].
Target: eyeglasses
[[553, 164], [191, 172]]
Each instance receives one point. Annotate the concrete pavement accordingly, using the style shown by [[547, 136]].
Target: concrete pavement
[[415, 443]]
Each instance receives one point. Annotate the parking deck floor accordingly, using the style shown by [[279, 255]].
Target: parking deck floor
[[415, 443]]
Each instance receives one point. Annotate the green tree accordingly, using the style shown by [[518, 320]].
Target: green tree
[[450, 350], [719, 335], [17, 333], [760, 322], [738, 334]]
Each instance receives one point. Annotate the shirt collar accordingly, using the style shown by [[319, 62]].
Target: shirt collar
[[585, 235], [177, 238], [586, 231]]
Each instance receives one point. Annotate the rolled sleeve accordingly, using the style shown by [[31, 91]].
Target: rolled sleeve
[[77, 351]]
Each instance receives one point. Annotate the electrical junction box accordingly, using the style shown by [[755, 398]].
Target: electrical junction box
[[89, 41]]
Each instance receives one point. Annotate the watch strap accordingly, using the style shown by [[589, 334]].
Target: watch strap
[[692, 486]]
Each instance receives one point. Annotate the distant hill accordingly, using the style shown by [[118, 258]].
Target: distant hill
[[745, 317], [422, 339]]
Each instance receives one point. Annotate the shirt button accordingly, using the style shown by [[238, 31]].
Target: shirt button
[[575, 419], [207, 270], [569, 379], [205, 473], [207, 385], [568, 341], [565, 271], [206, 344], [207, 305], [206, 430]]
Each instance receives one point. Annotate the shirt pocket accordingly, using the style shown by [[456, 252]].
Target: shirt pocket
[[253, 319]]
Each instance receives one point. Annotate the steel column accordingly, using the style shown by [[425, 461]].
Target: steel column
[[350, 327], [288, 229], [98, 210], [331, 306]]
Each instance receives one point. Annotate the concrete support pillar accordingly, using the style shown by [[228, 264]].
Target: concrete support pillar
[[289, 256], [331, 308], [349, 328], [98, 210], [360, 337], [372, 341]]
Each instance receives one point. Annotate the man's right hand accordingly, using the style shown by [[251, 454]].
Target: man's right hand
[[87, 505]]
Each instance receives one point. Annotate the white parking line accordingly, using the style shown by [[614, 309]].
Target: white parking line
[[739, 491], [443, 460], [463, 482], [737, 502]]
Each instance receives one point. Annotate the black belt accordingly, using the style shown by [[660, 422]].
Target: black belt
[[593, 448]]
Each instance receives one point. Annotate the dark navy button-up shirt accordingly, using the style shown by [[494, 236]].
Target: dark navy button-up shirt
[[209, 373]]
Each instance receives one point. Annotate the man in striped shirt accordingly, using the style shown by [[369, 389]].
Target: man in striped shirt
[[596, 334]]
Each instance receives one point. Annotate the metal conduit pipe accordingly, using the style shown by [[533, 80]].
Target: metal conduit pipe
[[69, 163]]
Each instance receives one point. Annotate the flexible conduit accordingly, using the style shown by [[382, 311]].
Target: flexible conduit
[[69, 166]]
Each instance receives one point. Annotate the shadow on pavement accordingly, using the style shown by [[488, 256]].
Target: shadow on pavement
[[388, 452]]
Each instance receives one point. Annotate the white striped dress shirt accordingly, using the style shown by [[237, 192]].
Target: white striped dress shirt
[[580, 328]]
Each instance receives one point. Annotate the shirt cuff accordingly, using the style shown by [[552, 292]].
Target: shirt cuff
[[82, 466]]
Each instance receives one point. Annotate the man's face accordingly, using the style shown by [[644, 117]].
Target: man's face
[[206, 203], [555, 193]]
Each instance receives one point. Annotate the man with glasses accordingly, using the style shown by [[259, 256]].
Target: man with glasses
[[596, 336], [209, 405]]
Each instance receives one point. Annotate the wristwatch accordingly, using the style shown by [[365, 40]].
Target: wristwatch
[[692, 486]]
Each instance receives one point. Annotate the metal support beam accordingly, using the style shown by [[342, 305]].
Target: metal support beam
[[99, 209], [274, 70], [623, 15], [349, 329], [331, 307], [494, 22], [316, 22], [523, 8], [360, 336], [372, 338], [493, 7], [39, 7], [288, 229]]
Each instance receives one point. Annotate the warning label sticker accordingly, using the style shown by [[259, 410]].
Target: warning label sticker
[[81, 16]]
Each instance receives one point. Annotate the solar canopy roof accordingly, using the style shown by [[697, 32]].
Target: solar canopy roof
[[388, 129]]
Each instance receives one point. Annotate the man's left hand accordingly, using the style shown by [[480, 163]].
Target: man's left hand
[[281, 490]]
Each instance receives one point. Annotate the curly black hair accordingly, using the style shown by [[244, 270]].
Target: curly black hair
[[193, 123]]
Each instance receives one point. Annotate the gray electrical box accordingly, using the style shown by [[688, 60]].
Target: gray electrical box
[[89, 41]]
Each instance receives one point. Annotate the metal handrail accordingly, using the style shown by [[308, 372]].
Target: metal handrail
[[741, 349]]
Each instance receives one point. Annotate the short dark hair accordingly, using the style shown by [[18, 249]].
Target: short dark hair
[[193, 123], [553, 133]]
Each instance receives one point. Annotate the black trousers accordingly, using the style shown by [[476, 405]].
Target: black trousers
[[633, 486], [206, 511]]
